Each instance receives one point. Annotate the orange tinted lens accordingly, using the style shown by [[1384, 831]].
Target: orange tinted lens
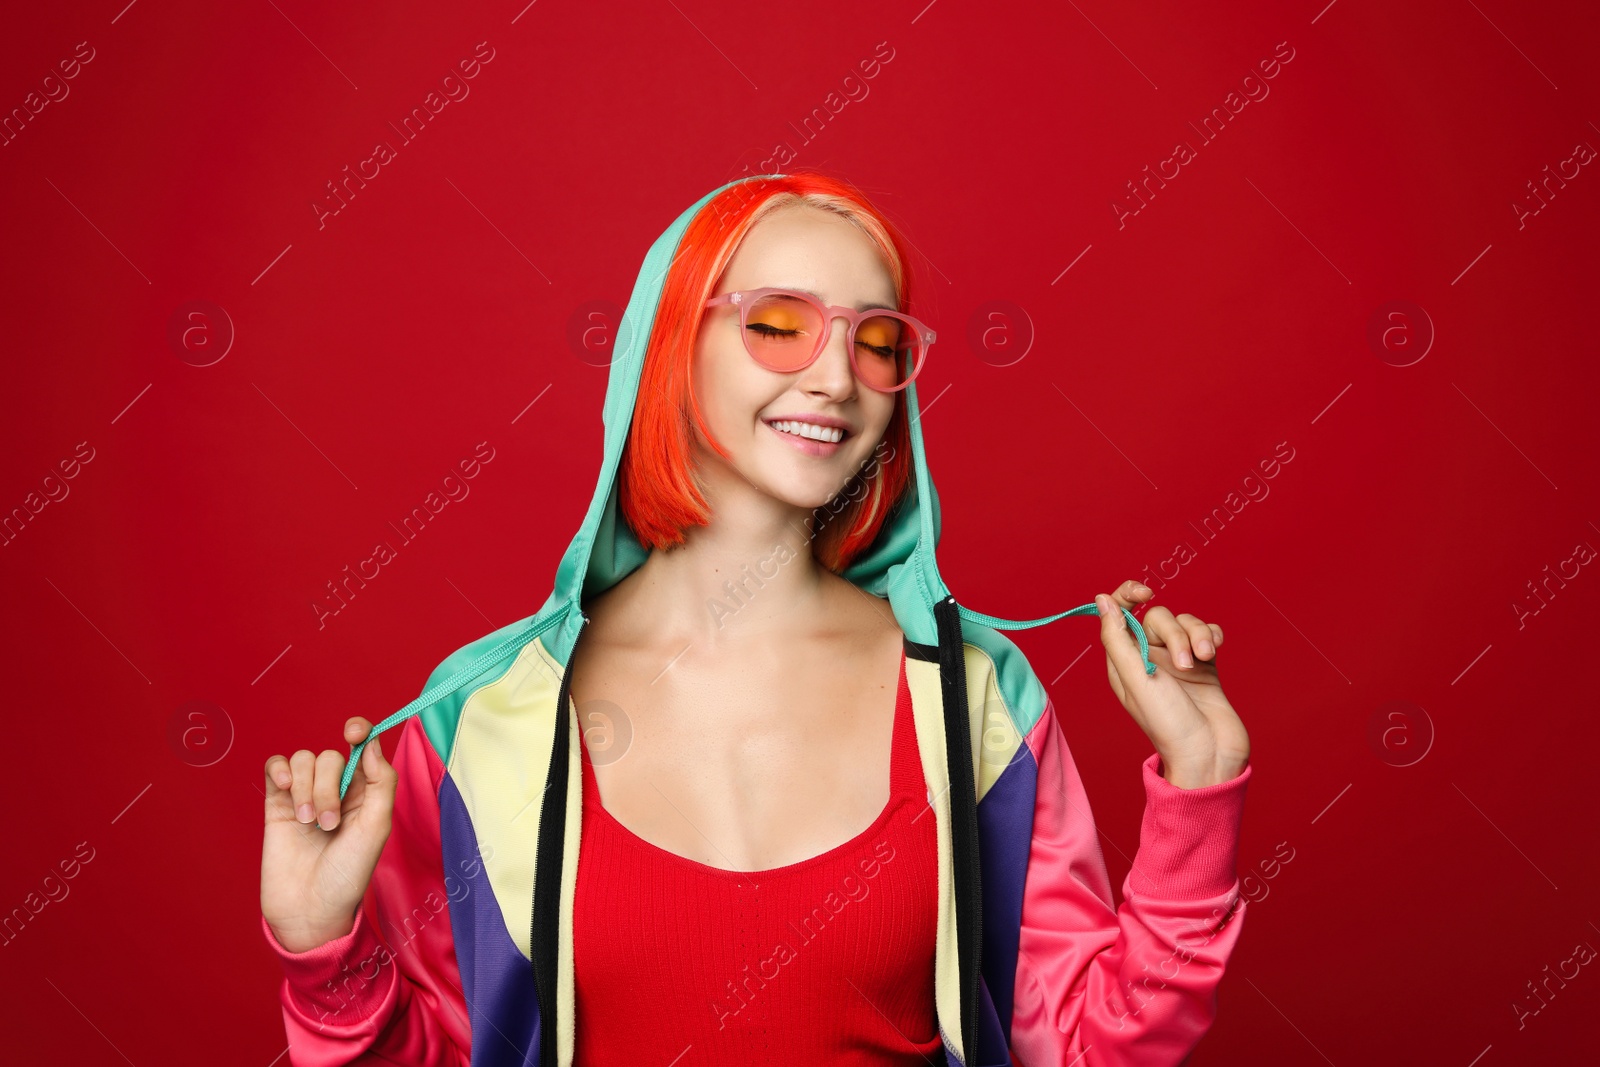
[[782, 331], [886, 350]]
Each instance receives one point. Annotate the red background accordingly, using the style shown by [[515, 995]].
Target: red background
[[1181, 350]]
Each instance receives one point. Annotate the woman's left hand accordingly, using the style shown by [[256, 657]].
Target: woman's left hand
[[1181, 707]]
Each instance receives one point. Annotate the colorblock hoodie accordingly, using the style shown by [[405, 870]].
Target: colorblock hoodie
[[461, 952]]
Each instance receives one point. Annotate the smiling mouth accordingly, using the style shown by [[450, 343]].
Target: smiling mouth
[[810, 431]]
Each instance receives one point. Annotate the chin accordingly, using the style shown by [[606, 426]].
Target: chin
[[809, 489], [810, 496]]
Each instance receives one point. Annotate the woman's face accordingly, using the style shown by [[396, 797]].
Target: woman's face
[[813, 250]]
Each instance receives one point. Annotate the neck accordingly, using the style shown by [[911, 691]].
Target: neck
[[750, 574]]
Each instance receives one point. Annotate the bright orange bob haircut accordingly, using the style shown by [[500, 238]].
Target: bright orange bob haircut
[[660, 495]]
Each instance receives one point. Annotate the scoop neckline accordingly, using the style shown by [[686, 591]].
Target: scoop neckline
[[896, 800]]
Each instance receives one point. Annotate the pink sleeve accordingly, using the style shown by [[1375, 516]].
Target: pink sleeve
[[356, 1000], [1105, 986]]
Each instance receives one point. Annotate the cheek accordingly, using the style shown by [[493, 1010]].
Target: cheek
[[710, 385], [879, 416], [729, 394]]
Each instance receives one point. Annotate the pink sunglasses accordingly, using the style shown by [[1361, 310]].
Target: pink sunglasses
[[785, 330]]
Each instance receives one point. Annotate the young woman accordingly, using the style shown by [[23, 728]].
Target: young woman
[[786, 801]]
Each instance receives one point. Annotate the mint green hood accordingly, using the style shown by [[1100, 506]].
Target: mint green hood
[[899, 565]]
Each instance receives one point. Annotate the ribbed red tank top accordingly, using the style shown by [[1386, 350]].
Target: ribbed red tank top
[[828, 960]]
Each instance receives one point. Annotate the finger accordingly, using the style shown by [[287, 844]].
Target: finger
[[356, 730], [379, 779], [302, 766], [278, 777], [325, 792], [1172, 634], [374, 768], [1130, 594], [1156, 623], [1121, 648], [1199, 635], [280, 805]]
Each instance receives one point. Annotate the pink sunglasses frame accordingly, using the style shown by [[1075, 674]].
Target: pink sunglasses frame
[[744, 299]]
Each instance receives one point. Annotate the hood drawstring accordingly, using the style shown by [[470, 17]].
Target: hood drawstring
[[1087, 609], [449, 685], [516, 641]]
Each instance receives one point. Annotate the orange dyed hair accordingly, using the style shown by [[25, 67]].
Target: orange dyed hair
[[660, 494]]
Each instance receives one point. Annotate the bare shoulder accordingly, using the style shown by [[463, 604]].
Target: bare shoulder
[[862, 620], [615, 647]]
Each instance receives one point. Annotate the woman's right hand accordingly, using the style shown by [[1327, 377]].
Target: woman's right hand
[[318, 853]]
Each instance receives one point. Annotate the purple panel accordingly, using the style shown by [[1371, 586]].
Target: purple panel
[[1005, 832], [994, 1049], [495, 976]]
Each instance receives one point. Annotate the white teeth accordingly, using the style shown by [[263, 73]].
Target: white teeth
[[811, 430]]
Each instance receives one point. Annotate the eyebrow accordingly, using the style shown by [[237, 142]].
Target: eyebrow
[[868, 305]]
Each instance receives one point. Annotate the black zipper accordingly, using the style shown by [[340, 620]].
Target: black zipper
[[963, 818], [544, 939]]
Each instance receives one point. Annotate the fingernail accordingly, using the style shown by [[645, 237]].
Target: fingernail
[[1205, 648], [327, 819], [305, 813], [1184, 660], [1100, 607], [1140, 587]]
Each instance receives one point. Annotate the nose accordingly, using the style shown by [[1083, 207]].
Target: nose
[[833, 373]]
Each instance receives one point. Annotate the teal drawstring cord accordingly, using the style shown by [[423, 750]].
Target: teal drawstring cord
[[449, 685], [1087, 609], [460, 678]]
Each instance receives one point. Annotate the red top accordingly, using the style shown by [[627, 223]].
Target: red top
[[828, 960]]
